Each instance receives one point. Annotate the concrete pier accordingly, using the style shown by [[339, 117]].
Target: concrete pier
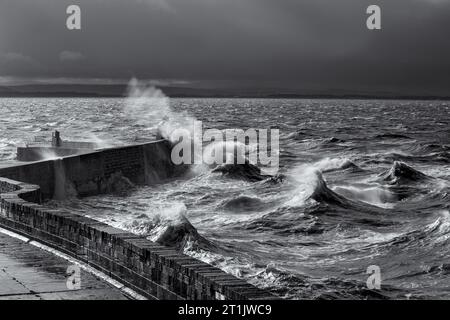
[[29, 273], [39, 150]]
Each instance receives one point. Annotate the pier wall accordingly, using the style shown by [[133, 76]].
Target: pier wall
[[151, 269], [96, 172]]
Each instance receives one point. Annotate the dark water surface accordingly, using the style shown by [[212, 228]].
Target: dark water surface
[[366, 183]]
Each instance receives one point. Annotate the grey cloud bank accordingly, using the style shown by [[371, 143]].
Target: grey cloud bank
[[70, 56], [303, 46]]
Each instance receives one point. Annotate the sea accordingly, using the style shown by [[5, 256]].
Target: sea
[[359, 209]]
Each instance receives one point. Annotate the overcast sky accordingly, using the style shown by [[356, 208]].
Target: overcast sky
[[300, 44]]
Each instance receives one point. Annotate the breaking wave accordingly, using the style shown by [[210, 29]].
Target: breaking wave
[[400, 173], [333, 164]]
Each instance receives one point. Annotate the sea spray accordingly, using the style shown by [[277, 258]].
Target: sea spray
[[63, 188], [47, 154], [100, 142], [306, 180], [149, 106]]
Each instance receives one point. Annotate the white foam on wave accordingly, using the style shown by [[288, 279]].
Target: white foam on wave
[[373, 195], [444, 226], [233, 152], [152, 223], [5, 143], [328, 164], [306, 179], [167, 217], [232, 265]]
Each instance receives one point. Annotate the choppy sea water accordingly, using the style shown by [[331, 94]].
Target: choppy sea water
[[365, 183]]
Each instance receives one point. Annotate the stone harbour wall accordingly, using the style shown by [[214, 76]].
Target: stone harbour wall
[[90, 173], [151, 269]]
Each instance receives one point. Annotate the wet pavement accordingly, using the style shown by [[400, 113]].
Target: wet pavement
[[28, 272]]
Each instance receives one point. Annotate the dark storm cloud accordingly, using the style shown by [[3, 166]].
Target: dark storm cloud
[[302, 44]]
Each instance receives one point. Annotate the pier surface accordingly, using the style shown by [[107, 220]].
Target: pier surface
[[30, 273]]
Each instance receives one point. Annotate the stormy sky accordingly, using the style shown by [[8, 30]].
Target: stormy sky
[[298, 45]]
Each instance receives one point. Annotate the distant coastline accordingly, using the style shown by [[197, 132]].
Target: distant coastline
[[111, 91]]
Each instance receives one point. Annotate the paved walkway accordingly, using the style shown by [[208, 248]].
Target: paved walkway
[[28, 272]]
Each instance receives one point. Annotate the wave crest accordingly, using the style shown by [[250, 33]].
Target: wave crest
[[400, 173]]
